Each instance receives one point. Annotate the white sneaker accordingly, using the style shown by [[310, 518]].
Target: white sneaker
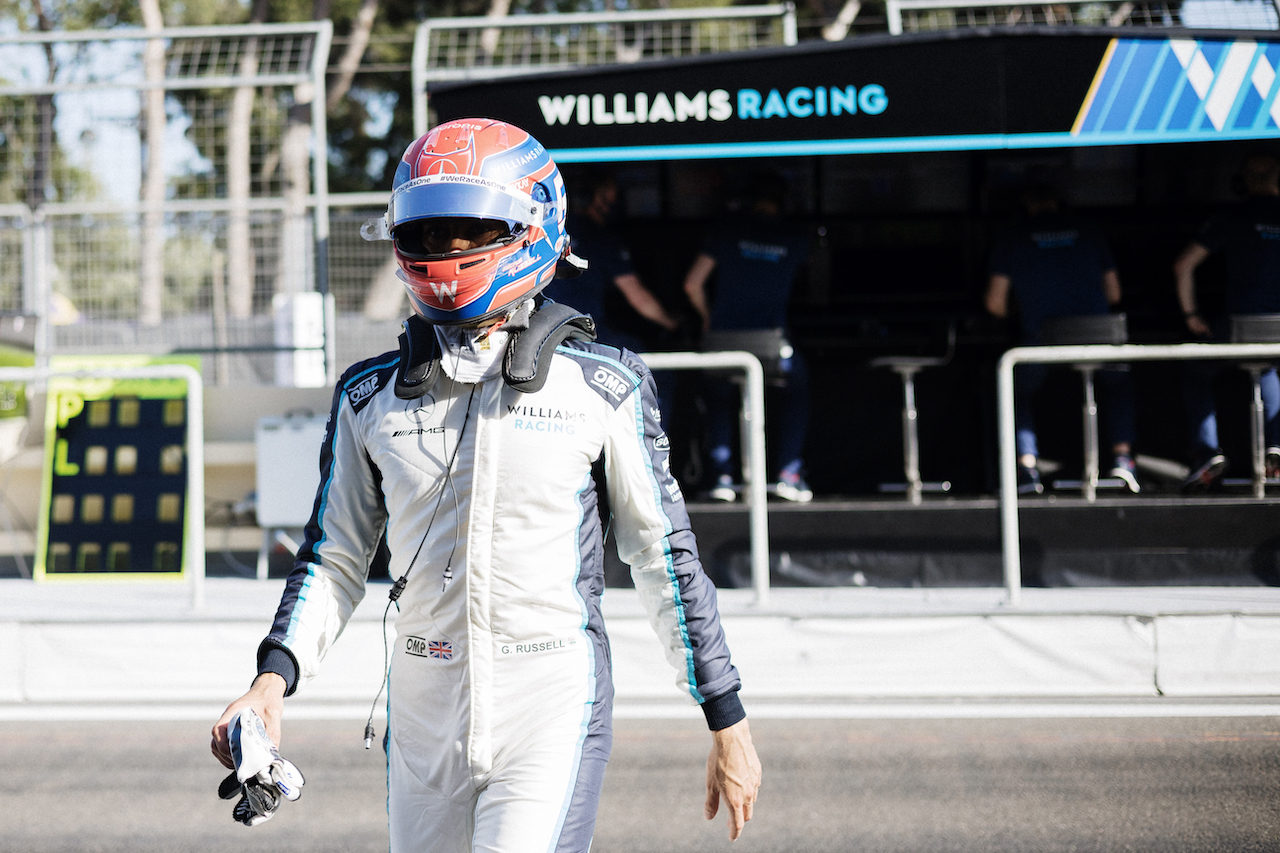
[[724, 490], [1126, 472], [796, 490]]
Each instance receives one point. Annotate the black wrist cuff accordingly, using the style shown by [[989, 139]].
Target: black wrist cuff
[[277, 660], [723, 711]]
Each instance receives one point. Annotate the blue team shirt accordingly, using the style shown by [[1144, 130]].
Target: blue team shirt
[[607, 259], [756, 264], [1249, 236], [1055, 264]]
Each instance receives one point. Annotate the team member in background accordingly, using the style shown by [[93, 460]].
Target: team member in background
[[1248, 234], [755, 259], [494, 450], [611, 273], [611, 268], [1058, 265]]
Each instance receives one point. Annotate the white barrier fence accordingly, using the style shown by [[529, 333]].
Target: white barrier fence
[[753, 452], [1082, 354]]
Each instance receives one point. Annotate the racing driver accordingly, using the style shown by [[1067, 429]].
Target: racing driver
[[495, 450]]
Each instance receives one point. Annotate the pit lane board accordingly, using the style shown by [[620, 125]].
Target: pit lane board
[[115, 484]]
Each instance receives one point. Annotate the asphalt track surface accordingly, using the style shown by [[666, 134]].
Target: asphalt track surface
[[1131, 784]]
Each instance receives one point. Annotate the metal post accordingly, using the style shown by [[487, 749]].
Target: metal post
[[753, 448], [789, 33], [893, 12], [1008, 480], [320, 179], [418, 77], [195, 481], [41, 261], [30, 295], [1257, 427], [1090, 434], [758, 511], [910, 435]]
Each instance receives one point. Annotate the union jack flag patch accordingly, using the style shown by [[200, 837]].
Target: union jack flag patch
[[438, 649]]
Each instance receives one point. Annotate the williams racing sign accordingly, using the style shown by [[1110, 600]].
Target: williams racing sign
[[958, 91]]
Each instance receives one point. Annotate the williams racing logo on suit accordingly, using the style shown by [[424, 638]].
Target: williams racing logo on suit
[[545, 419]]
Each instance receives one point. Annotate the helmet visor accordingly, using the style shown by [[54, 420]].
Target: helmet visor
[[426, 239], [462, 195]]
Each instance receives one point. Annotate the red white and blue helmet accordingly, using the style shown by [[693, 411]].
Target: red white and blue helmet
[[479, 169]]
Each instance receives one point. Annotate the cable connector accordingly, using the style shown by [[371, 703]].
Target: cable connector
[[369, 734], [398, 587]]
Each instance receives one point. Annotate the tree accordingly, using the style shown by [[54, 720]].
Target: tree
[[151, 256], [239, 124]]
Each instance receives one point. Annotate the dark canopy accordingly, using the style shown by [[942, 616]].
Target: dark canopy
[[975, 89]]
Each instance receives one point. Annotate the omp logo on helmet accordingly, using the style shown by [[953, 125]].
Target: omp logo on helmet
[[364, 390]]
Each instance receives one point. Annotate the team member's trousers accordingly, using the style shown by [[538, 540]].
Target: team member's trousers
[[789, 409], [1202, 413], [1115, 405]]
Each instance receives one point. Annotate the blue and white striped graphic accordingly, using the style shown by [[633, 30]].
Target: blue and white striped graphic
[[1182, 89]]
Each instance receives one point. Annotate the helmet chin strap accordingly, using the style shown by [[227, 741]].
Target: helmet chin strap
[[530, 336]]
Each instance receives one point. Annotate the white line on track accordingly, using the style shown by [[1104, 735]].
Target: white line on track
[[923, 710]]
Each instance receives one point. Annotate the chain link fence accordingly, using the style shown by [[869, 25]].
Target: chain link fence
[[479, 48], [165, 190], [914, 16]]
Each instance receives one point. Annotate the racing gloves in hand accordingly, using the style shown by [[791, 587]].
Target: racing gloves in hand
[[262, 777]]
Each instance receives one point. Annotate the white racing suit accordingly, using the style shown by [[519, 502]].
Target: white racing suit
[[500, 690]]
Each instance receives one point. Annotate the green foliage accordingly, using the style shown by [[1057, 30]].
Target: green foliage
[[18, 133], [96, 259], [203, 13], [73, 14], [363, 147], [189, 258]]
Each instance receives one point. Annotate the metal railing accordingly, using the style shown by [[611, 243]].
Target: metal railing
[[484, 48], [753, 450], [913, 16], [1090, 354], [249, 210]]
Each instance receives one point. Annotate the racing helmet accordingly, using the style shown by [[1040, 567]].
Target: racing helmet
[[495, 184]]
